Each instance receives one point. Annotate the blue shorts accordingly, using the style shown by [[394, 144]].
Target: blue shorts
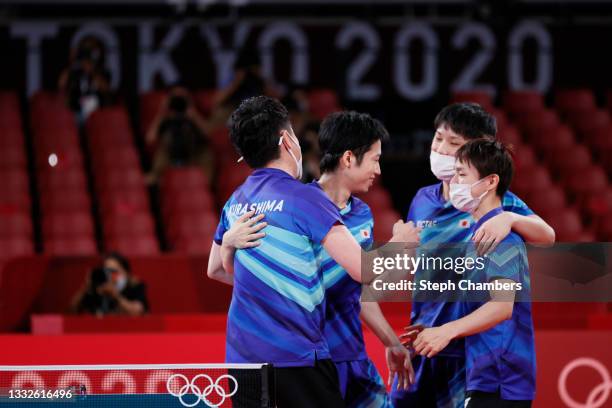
[[361, 385], [440, 383]]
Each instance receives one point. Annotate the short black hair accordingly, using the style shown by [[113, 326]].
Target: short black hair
[[255, 127], [489, 157], [347, 130], [467, 119], [121, 260]]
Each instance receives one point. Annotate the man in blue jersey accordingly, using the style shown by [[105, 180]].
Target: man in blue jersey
[[497, 327], [350, 145], [277, 312], [440, 381]]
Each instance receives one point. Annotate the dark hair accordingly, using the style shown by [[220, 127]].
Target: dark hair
[[121, 260], [489, 157], [255, 129], [467, 119], [348, 130]]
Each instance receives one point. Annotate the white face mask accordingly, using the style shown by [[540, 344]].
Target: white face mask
[[442, 166], [298, 163], [461, 196], [121, 283]]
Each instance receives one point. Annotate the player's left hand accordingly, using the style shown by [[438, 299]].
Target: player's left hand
[[398, 363], [492, 232], [432, 340]]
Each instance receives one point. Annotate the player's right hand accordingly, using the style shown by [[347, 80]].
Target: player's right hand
[[245, 233], [406, 232], [410, 334]]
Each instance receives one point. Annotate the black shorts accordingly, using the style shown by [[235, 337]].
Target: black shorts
[[479, 399], [308, 387], [289, 387]]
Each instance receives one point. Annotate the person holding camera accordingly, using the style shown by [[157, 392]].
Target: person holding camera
[[85, 83], [112, 289], [179, 132]]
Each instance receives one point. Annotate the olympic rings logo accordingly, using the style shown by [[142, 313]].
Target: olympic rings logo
[[192, 388], [598, 395]]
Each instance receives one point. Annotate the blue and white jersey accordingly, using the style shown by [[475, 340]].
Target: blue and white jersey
[[444, 224], [503, 357], [342, 323], [277, 312]]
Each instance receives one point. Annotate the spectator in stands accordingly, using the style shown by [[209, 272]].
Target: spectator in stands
[[180, 134], [112, 289], [248, 81], [85, 83], [309, 141]]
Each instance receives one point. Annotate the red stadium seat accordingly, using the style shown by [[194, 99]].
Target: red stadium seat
[[500, 118], [548, 199], [575, 100], [57, 201], [14, 201], [17, 225], [589, 180], [124, 226], [15, 180], [566, 223], [134, 246], [124, 202], [509, 135], [598, 204], [187, 201], [13, 157], [604, 229], [524, 157], [383, 225], [121, 158], [15, 246], [229, 178], [193, 246], [183, 178], [72, 246], [322, 102], [530, 179], [65, 157], [150, 104], [52, 117], [120, 179], [522, 102], [11, 137], [553, 138], [534, 121], [104, 139], [484, 99], [568, 159], [204, 100], [378, 199], [201, 225], [589, 122], [108, 119], [600, 139], [67, 225], [54, 139], [62, 179]]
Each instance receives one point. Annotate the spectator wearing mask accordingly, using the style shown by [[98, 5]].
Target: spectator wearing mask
[[179, 134], [112, 289]]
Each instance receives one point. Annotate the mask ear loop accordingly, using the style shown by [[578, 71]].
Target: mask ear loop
[[280, 141]]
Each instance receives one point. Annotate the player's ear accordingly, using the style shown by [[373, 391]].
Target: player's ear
[[347, 159], [493, 181]]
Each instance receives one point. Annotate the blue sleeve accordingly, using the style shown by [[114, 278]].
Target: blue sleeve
[[514, 204], [222, 227], [314, 213], [411, 210], [506, 261]]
